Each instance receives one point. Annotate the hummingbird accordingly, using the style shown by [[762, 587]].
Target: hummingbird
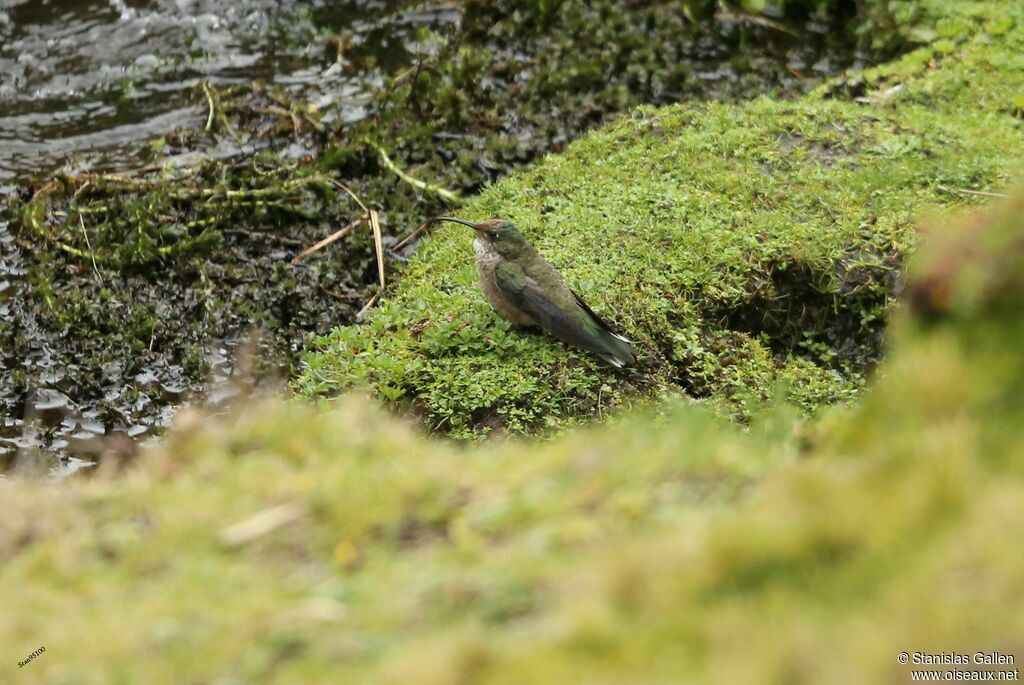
[[528, 291]]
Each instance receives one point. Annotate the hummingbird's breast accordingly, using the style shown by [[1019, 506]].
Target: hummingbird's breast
[[487, 261]]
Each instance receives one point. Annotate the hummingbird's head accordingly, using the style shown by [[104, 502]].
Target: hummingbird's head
[[500, 235]]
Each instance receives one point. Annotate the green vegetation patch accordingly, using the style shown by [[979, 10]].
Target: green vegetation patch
[[129, 223], [288, 545], [746, 248], [739, 246]]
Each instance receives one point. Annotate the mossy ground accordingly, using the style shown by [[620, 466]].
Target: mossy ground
[[289, 545], [751, 250]]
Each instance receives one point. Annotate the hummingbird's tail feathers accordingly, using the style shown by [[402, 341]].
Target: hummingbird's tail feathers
[[619, 352], [601, 322]]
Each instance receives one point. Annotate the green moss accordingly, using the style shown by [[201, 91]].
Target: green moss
[[129, 223], [744, 247], [288, 545]]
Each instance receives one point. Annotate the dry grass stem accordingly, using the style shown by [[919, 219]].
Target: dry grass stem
[[965, 191], [262, 523], [420, 230], [337, 235]]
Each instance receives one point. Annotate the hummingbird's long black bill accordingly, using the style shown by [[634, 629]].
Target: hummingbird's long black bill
[[475, 227]]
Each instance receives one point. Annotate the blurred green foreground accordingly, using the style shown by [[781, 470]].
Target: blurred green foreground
[[293, 546]]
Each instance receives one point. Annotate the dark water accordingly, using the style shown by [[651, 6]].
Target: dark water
[[84, 83]]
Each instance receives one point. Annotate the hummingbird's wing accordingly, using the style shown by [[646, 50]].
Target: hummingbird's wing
[[604, 324], [563, 314]]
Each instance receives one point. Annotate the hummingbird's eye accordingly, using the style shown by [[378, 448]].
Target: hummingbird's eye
[[493, 235]]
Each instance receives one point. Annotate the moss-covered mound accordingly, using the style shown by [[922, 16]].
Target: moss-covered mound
[[744, 247], [291, 546]]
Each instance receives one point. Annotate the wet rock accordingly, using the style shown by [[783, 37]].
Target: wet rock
[[50, 406]]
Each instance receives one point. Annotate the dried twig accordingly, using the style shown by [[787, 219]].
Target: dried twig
[[92, 254], [341, 233], [262, 523], [281, 112], [965, 191], [337, 235], [374, 219], [314, 123], [351, 194], [420, 230], [366, 307], [378, 241], [378, 244]]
